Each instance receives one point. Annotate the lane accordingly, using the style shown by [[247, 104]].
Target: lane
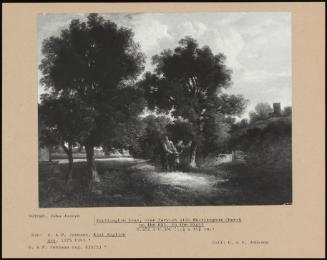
[[199, 183], [137, 182], [115, 159]]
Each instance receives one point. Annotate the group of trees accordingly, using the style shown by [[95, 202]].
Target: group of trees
[[95, 93], [264, 111]]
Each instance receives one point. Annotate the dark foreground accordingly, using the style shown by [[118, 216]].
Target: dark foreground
[[129, 182]]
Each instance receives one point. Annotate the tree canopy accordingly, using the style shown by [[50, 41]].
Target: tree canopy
[[189, 80], [67, 119], [94, 64]]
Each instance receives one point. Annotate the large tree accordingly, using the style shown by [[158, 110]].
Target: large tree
[[96, 62], [189, 81]]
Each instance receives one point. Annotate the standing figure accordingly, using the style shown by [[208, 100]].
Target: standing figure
[[173, 158], [179, 148], [167, 156]]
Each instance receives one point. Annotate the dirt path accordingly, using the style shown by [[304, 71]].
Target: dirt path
[[135, 182], [197, 182], [153, 187]]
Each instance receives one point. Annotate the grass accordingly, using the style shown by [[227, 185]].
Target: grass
[[138, 183]]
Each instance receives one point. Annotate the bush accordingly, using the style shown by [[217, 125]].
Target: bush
[[269, 146], [148, 144]]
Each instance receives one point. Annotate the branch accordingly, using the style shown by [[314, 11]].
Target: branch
[[188, 86], [195, 85], [65, 148]]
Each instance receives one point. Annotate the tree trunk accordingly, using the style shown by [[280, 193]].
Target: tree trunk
[[69, 152], [70, 167], [50, 153], [193, 155], [94, 176]]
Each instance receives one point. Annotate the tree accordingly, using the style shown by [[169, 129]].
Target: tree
[[216, 133], [287, 111], [66, 122], [189, 81], [253, 117], [181, 130], [244, 123], [263, 110], [95, 62], [126, 136], [154, 128]]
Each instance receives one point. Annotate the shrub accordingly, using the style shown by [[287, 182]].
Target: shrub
[[269, 146]]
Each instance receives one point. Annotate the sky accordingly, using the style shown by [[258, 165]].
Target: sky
[[257, 45]]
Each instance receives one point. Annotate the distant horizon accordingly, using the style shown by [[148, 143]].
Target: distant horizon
[[257, 45]]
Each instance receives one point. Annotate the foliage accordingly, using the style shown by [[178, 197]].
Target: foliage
[[262, 111], [148, 144], [216, 134], [181, 130], [287, 111], [269, 146], [95, 64], [242, 124], [189, 81], [64, 120]]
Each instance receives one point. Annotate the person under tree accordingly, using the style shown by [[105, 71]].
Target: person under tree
[[168, 154]]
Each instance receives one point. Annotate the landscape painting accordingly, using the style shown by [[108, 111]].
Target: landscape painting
[[164, 109]]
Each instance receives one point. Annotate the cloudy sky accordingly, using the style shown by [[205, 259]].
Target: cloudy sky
[[257, 44]]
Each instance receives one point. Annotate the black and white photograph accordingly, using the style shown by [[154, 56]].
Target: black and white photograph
[[164, 109]]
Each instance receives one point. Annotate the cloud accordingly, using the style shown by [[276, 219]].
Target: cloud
[[150, 34], [193, 28], [257, 44], [230, 43]]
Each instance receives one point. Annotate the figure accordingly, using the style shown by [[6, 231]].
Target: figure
[[179, 149], [167, 156]]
